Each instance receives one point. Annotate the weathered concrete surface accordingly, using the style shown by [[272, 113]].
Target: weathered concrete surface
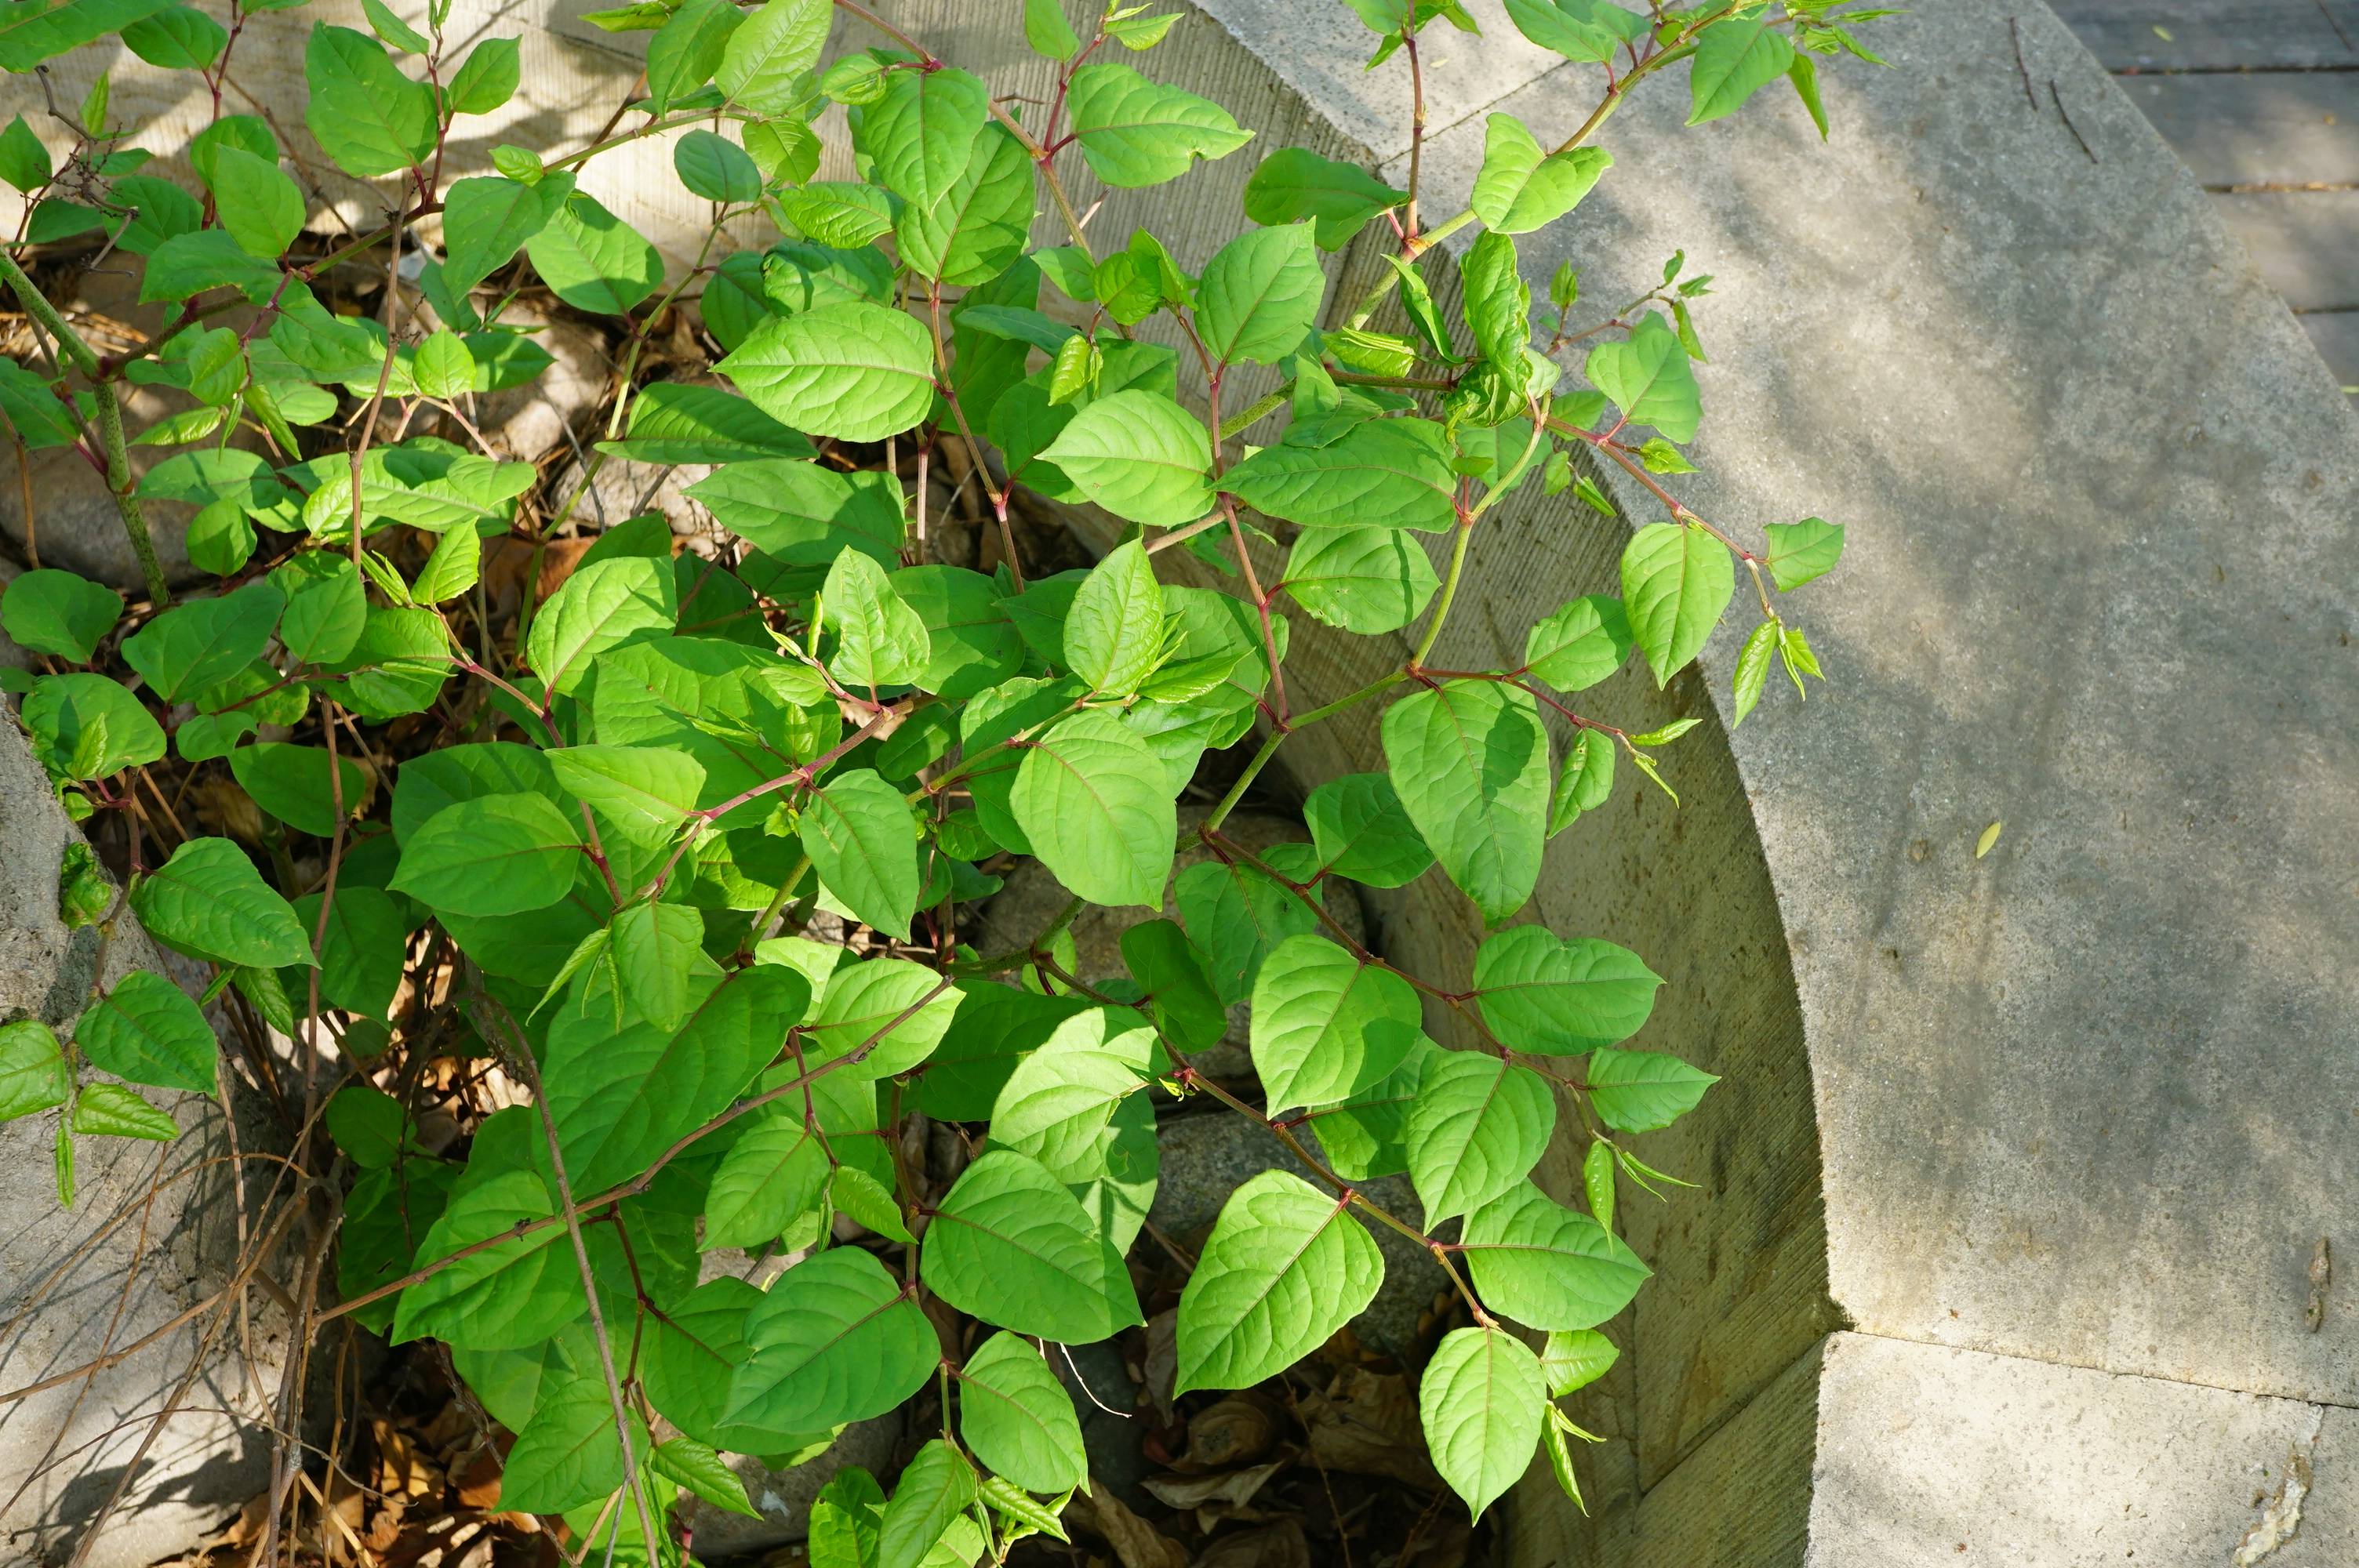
[[80, 1284]]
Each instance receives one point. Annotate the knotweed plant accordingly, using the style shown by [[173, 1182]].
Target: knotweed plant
[[588, 841]]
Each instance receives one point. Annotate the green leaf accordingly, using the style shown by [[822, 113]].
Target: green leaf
[[592, 259], [1479, 1126], [646, 790], [681, 422], [716, 168], [763, 65], [442, 366], [1479, 1402], [771, 1175], [844, 1519], [569, 1452], [620, 1098], [1015, 1415], [697, 1467], [146, 1029], [1675, 581], [1045, 29], [842, 214], [1259, 295], [209, 901], [974, 646], [392, 28], [1588, 30], [495, 854], [259, 206], [1097, 806], [1753, 669], [1800, 552], [853, 371], [1543, 1264], [870, 999], [1497, 302], [326, 607], [1734, 59], [456, 565], [60, 612], [1140, 456], [880, 640], [1327, 1025], [1296, 183], [1135, 132], [189, 263], [1470, 762], [1011, 1246], [1285, 1268], [1649, 378], [802, 514], [652, 947], [31, 34], [1597, 1182], [365, 114], [921, 131], [485, 220], [1523, 188], [33, 1074], [937, 1487], [294, 784], [487, 77], [1060, 1103], [1586, 780], [362, 952], [836, 1339], [1363, 580], [87, 727], [687, 48], [1388, 473], [1237, 916], [863, 844], [1574, 1359], [1638, 1091], [200, 640], [28, 406], [604, 604], [1561, 997], [24, 161], [1114, 633], [1581, 644], [109, 1111], [1804, 74], [976, 229], [866, 1201]]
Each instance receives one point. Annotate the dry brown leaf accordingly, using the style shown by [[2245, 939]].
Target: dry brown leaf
[[1366, 1423], [1229, 1490], [1280, 1545], [1162, 1359], [1136, 1543], [1234, 1431]]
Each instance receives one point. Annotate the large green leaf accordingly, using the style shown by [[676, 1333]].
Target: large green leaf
[[880, 640], [836, 1339], [1544, 1265], [495, 854], [1361, 579], [1363, 832], [976, 228], [771, 1175], [146, 1029], [1479, 1126], [1140, 456], [87, 726], [1733, 61], [687, 1357], [1495, 301], [1237, 916], [362, 952], [1647, 377], [1339, 198], [1097, 807], [209, 901], [936, 1486], [1638, 1091], [652, 951], [687, 48], [1135, 132], [1573, 1359], [592, 260], [920, 132], [1259, 295], [1325, 1024], [1479, 1402], [569, 1452], [1588, 30], [365, 114], [646, 790], [194, 644], [859, 834], [1675, 580], [870, 999], [620, 1098], [974, 646], [683, 422], [294, 784], [1011, 1246], [854, 370], [1384, 474], [1581, 644], [802, 514], [31, 34], [1017, 1418], [602, 605], [486, 220], [1471, 764], [33, 1074], [327, 607], [1113, 633], [1799, 552], [515, 1291], [1058, 1105], [763, 65], [1285, 1267], [1522, 187], [1367, 1136], [260, 207], [1561, 998]]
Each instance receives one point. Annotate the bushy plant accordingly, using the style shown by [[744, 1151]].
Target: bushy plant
[[612, 817]]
